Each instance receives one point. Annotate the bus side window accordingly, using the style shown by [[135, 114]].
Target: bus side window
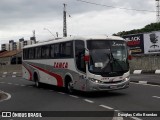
[[66, 50], [31, 53], [56, 51], [79, 55], [45, 51], [25, 54], [52, 51], [38, 52]]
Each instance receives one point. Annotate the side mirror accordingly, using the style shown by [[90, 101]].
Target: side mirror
[[129, 55], [86, 58]]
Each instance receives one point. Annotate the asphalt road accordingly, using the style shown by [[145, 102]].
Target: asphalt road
[[26, 97]]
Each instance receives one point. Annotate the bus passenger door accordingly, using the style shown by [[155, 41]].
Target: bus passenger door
[[80, 64]]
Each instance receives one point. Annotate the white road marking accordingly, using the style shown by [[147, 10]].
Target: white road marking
[[16, 84], [117, 118], [157, 72], [10, 83], [4, 72], [143, 82], [135, 118], [117, 110], [146, 84], [8, 96], [107, 107], [90, 101], [22, 85], [156, 97], [73, 96], [13, 75], [61, 93], [137, 71]]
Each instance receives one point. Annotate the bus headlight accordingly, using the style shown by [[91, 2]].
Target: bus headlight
[[95, 80], [126, 79]]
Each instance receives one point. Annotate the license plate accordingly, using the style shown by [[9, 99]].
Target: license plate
[[113, 87]]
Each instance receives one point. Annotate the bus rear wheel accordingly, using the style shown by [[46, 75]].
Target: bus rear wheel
[[36, 80]]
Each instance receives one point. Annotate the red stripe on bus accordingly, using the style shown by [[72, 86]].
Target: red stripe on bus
[[58, 77], [30, 73]]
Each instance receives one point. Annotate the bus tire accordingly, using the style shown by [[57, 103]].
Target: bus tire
[[36, 80], [69, 85]]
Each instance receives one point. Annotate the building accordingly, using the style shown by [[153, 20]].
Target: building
[[11, 53], [5, 47], [18, 45], [11, 57]]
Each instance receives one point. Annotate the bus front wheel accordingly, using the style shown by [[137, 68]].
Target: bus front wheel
[[69, 86]]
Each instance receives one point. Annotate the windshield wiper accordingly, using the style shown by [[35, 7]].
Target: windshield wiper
[[106, 62], [116, 60], [112, 60]]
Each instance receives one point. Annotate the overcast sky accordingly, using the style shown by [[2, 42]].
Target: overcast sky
[[18, 18]]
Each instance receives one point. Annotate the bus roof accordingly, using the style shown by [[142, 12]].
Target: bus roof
[[102, 37]]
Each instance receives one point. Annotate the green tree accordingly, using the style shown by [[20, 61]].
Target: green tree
[[148, 28]]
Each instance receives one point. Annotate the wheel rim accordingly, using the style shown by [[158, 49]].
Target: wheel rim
[[37, 83], [70, 87]]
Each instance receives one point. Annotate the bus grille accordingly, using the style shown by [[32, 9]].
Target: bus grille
[[113, 82]]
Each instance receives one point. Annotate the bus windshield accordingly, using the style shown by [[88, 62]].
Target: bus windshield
[[108, 57]]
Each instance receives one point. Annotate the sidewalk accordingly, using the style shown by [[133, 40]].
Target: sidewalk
[[11, 68]]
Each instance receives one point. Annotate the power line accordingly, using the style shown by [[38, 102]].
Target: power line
[[103, 5], [158, 10]]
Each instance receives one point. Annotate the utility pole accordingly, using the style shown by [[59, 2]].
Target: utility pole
[[34, 33], [33, 38], [64, 22], [57, 34], [158, 11]]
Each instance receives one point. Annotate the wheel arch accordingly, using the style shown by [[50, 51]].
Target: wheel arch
[[68, 77]]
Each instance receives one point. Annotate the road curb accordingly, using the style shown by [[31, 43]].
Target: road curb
[[146, 82], [146, 71]]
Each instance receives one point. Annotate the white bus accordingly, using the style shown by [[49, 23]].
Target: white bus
[[95, 63]]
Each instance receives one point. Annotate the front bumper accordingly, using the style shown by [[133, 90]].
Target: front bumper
[[92, 86]]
